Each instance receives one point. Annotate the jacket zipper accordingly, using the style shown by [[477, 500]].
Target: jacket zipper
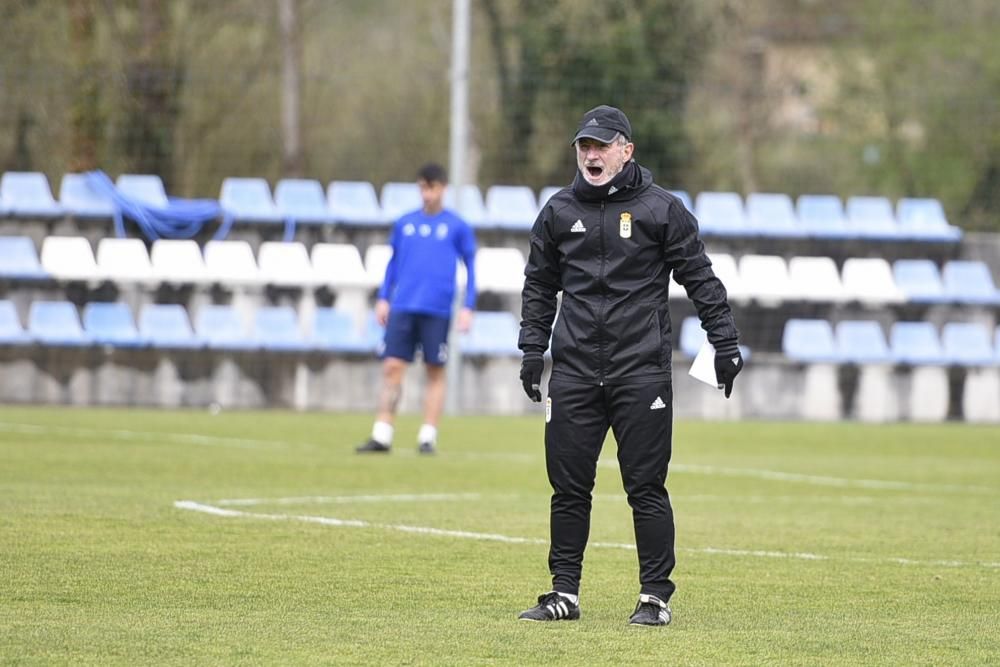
[[604, 298]]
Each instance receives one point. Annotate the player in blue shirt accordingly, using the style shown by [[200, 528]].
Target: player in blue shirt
[[414, 305]]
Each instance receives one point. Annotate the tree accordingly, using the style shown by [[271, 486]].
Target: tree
[[933, 77], [291, 88], [86, 116], [557, 59], [152, 87]]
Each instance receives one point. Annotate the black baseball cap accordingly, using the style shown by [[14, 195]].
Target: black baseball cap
[[603, 123]]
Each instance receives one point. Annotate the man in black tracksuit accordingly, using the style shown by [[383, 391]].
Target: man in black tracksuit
[[609, 242]]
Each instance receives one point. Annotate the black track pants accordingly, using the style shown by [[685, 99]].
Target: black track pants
[[577, 421]]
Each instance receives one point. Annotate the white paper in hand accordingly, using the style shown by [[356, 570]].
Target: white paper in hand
[[703, 366]]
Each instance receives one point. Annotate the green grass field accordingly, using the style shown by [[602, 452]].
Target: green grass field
[[797, 544]]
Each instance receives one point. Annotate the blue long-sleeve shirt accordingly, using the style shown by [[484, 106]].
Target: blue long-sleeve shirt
[[420, 276]]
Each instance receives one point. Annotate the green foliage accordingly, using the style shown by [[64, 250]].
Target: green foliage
[[931, 78], [100, 567], [860, 96], [559, 59]]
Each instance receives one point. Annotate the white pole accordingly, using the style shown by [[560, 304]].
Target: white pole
[[459, 95], [458, 148]]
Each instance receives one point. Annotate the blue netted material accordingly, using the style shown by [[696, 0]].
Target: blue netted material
[[180, 219]]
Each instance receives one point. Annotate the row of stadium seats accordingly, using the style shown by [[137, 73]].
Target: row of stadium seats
[[822, 217], [769, 279], [273, 328], [279, 328], [279, 263], [766, 278], [863, 342], [910, 343], [27, 194], [183, 261]]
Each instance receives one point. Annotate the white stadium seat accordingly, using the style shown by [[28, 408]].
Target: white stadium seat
[[124, 260], [376, 259], [231, 262], [724, 266], [178, 261], [500, 270], [69, 258], [339, 265], [870, 281], [815, 279], [285, 263], [765, 278]]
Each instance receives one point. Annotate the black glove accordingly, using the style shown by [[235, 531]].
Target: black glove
[[531, 375], [728, 364]]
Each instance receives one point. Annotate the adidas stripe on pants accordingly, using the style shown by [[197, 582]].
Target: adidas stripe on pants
[[642, 425]]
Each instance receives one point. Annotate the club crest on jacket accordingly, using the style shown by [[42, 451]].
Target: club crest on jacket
[[625, 225]]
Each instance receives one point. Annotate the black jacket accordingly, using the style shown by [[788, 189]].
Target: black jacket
[[611, 256]]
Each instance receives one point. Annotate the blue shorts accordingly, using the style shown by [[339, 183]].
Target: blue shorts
[[405, 331]]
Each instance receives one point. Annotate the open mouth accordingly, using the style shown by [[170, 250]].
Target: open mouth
[[595, 172]]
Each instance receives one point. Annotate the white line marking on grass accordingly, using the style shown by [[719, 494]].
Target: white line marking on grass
[[355, 523], [508, 539], [250, 443], [819, 480], [684, 499], [398, 497], [755, 552], [509, 457], [149, 436]]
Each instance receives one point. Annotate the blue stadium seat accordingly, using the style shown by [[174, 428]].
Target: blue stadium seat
[[492, 334], [872, 218], [374, 333], [302, 200], [920, 280], [969, 282], [861, 342], [809, 341], [334, 330], [166, 326], [546, 194], [82, 201], [221, 328], [11, 331], [19, 259], [772, 214], [470, 207], [967, 344], [915, 344], [511, 207], [277, 328], [822, 217], [924, 220], [399, 199], [354, 203], [111, 324], [27, 194], [248, 200], [685, 199], [692, 336], [56, 323], [146, 189], [721, 213]]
